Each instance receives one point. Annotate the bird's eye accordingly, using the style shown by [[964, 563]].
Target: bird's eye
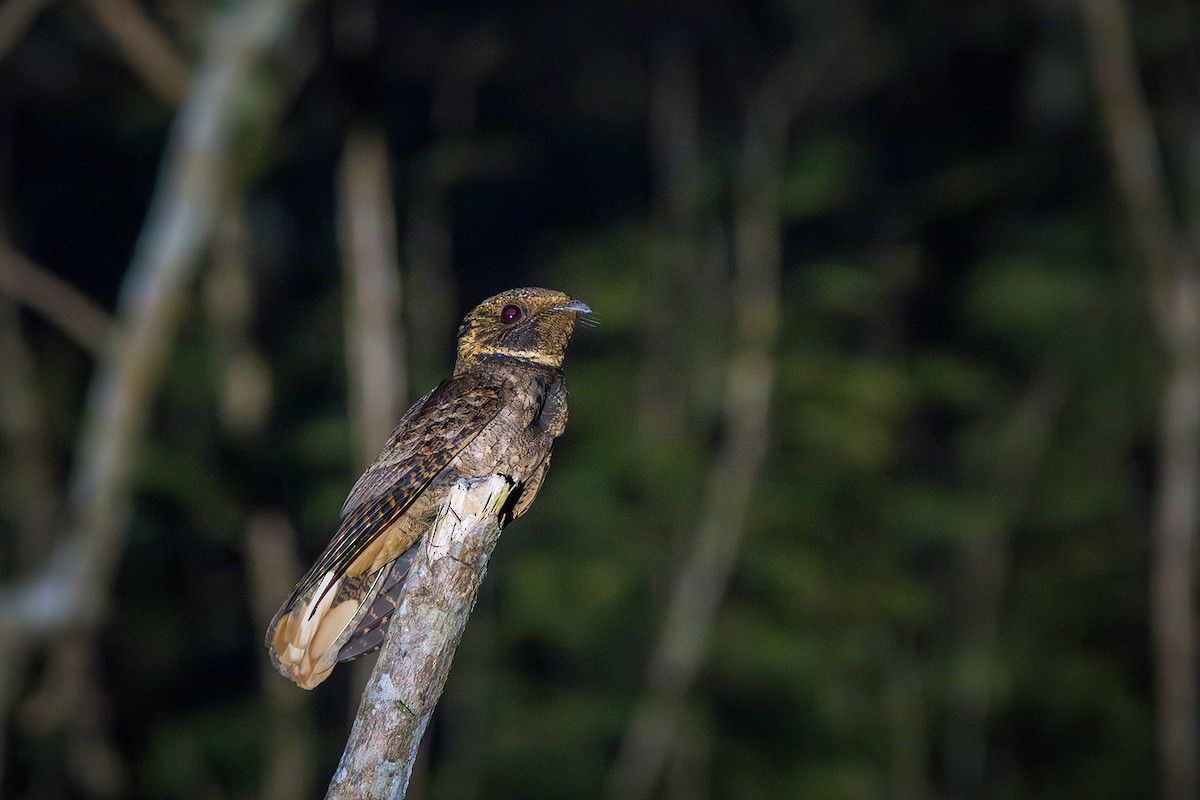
[[511, 314]]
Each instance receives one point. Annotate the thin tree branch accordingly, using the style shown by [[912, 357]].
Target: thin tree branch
[[371, 299], [15, 18], [144, 47], [1010, 474], [72, 588], [24, 433], [750, 371], [246, 380], [1173, 580], [272, 565], [64, 306], [69, 700], [415, 660], [1133, 146], [702, 582], [1174, 267], [375, 357], [692, 247]]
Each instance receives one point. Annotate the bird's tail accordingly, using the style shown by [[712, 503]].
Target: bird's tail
[[339, 619]]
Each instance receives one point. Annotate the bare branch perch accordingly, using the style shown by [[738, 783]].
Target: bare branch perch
[[415, 660]]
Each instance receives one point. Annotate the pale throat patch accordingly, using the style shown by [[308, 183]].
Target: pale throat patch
[[536, 356]]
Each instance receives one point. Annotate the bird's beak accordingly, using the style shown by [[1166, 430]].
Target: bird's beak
[[578, 306]]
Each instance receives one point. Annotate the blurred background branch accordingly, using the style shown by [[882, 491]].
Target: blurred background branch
[[1173, 261], [70, 591], [703, 579], [144, 47], [375, 357], [15, 18], [58, 301], [290, 769], [1010, 468], [72, 587]]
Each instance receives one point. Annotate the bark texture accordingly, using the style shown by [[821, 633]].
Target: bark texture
[[415, 659]]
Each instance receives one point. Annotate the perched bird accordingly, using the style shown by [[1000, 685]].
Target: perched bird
[[499, 413]]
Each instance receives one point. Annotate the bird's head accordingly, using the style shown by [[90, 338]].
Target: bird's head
[[529, 326]]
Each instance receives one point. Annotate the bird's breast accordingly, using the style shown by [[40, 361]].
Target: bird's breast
[[513, 443]]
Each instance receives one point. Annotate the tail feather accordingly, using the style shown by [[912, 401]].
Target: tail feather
[[371, 627], [338, 620]]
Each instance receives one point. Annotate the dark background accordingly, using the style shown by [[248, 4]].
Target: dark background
[[879, 373]]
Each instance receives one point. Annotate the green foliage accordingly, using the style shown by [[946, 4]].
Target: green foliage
[[822, 178]]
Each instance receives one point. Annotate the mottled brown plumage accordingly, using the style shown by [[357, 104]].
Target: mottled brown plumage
[[499, 413]]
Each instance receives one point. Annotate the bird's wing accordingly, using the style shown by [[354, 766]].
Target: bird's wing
[[430, 436], [447, 420], [377, 478], [372, 621]]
